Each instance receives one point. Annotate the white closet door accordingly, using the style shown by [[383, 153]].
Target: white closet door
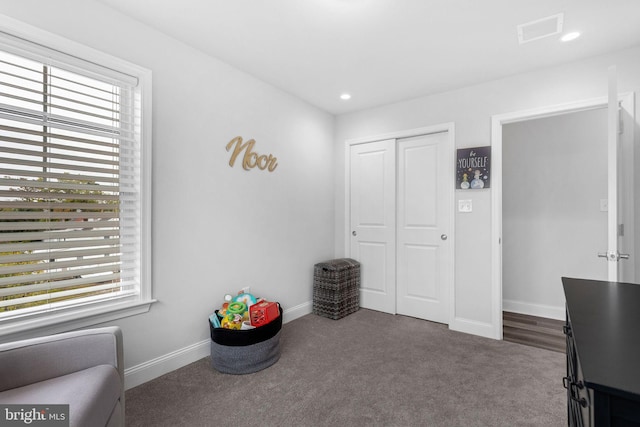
[[372, 204], [424, 264]]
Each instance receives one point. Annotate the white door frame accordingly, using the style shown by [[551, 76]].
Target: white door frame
[[497, 122], [444, 127]]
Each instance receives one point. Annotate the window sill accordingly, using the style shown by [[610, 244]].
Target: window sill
[[77, 318]]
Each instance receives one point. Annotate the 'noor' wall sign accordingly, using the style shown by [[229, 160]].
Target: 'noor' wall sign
[[250, 159]]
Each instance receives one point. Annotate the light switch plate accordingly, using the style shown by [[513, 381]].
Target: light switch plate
[[604, 205], [465, 205]]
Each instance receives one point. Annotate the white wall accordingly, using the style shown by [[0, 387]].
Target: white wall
[[471, 109], [554, 176], [215, 228]]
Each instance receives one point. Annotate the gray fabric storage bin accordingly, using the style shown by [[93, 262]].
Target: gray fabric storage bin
[[245, 359], [246, 351]]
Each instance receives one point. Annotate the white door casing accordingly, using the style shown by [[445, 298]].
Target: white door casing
[[624, 187]]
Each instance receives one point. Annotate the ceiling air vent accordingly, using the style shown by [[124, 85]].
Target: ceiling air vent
[[541, 28]]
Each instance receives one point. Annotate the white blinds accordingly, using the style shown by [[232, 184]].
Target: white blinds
[[69, 187]]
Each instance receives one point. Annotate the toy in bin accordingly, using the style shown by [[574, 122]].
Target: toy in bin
[[232, 314], [263, 312], [244, 311]]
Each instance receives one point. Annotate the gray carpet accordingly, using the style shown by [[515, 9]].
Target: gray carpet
[[367, 369]]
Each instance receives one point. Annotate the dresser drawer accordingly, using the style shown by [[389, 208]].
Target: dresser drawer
[[579, 397]]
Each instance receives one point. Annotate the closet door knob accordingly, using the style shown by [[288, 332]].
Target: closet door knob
[[443, 236]]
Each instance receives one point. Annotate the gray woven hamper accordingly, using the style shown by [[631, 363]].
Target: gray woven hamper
[[336, 288]]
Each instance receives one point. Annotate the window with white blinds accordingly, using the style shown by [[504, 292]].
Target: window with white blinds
[[70, 184]]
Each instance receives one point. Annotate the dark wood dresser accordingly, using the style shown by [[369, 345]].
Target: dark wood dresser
[[603, 353]]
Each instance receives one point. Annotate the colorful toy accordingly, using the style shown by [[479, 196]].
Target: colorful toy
[[246, 325], [232, 321], [236, 307], [246, 298], [215, 322], [245, 309], [231, 306], [223, 311], [263, 312]]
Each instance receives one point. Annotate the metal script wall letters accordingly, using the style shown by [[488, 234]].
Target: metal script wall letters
[[250, 159]]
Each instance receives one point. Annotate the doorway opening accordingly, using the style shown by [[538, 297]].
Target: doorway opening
[[554, 218], [533, 208]]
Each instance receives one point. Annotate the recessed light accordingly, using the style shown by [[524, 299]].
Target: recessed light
[[345, 96], [570, 36]]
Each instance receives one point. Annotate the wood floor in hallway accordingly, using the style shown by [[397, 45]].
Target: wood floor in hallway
[[534, 331]]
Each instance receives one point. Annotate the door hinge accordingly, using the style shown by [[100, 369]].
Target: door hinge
[[620, 122], [621, 230]]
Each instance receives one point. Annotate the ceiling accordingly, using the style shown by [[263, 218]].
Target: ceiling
[[385, 51]]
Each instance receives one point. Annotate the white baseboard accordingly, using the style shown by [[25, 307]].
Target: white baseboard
[[473, 327], [540, 310], [159, 366], [298, 311]]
